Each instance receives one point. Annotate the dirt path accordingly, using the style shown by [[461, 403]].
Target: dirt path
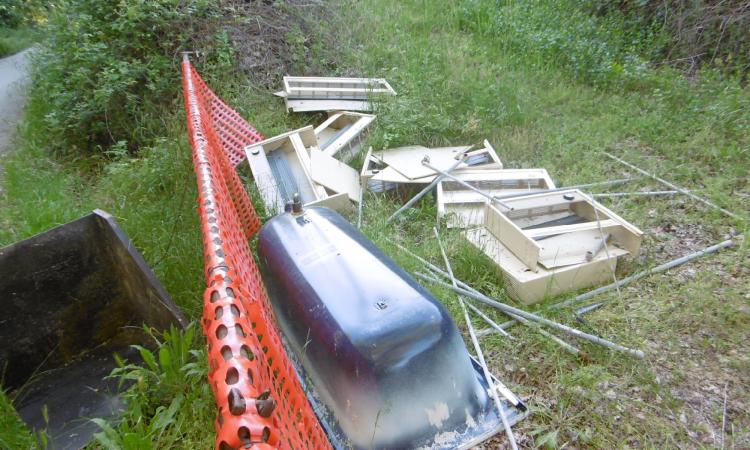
[[13, 77]]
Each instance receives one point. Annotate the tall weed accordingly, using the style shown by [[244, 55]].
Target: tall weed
[[169, 393]]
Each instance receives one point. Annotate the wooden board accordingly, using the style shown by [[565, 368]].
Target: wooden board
[[337, 202], [334, 174], [569, 249], [336, 87], [525, 249], [291, 151], [463, 207], [291, 148], [342, 133], [264, 180], [529, 287], [309, 105], [535, 209], [493, 161]]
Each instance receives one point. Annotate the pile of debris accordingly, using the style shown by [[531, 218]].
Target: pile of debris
[[544, 240]]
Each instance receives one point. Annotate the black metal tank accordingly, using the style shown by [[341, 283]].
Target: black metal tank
[[383, 355]]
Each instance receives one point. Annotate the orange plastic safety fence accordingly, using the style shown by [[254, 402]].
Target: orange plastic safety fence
[[261, 402]]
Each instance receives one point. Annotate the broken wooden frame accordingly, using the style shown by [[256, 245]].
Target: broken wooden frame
[[303, 94], [541, 245], [342, 133], [292, 163], [463, 207]]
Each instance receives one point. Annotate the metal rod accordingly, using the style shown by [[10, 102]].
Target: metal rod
[[502, 326], [567, 188], [427, 189], [675, 187], [530, 316], [436, 269], [478, 349], [606, 250], [660, 268], [489, 321], [602, 244], [588, 308], [627, 280], [426, 163], [575, 351], [602, 183], [360, 206], [500, 329], [637, 193]]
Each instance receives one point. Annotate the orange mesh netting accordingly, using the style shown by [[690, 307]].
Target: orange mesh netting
[[261, 403]]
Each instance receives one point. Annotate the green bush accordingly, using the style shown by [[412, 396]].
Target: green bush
[[687, 33], [12, 13], [109, 68]]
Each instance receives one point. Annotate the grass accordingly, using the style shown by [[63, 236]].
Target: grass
[[464, 74], [13, 40]]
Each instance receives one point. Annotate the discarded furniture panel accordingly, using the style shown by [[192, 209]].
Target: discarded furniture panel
[[403, 377], [408, 160], [485, 158], [334, 175], [73, 296], [386, 169], [281, 167], [551, 243], [372, 167], [342, 133], [556, 228], [303, 94], [463, 207]]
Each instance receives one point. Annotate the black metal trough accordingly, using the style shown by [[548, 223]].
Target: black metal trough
[[71, 297]]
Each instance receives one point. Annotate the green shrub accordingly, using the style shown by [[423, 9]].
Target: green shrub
[[12, 13], [109, 68], [689, 34]]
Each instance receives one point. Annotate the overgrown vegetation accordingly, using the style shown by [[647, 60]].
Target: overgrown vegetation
[[548, 83], [688, 34], [18, 22], [108, 70], [170, 380], [13, 40]]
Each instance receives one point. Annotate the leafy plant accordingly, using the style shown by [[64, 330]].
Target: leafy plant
[[168, 388], [108, 68]]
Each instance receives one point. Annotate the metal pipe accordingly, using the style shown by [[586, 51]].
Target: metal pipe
[[567, 188], [489, 321], [637, 193], [360, 206], [478, 349], [436, 269], [530, 316], [602, 183], [575, 351], [627, 280], [426, 163], [427, 189], [675, 187]]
